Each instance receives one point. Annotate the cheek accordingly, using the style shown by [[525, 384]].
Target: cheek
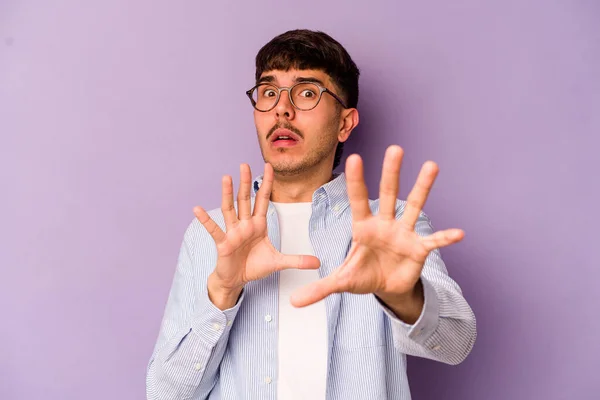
[[328, 125], [262, 121], [313, 121], [328, 116]]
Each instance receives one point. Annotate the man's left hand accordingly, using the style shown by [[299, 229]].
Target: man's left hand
[[386, 255]]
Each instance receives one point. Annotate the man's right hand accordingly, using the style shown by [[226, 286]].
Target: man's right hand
[[244, 252]]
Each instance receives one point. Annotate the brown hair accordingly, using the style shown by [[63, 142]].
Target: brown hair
[[305, 49]]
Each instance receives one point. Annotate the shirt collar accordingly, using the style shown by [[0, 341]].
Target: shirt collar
[[333, 193]]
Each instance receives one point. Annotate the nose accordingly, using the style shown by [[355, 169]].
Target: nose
[[284, 107]]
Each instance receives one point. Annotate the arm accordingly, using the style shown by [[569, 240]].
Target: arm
[[394, 253], [445, 328], [233, 244], [194, 332]]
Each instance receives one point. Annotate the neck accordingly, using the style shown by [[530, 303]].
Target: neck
[[299, 188]]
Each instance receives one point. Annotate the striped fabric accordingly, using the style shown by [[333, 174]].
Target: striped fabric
[[205, 353]]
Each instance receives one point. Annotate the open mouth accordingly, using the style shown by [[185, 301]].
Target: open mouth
[[284, 138]]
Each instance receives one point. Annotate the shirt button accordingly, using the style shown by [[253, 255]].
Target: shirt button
[[216, 326], [336, 208], [436, 347], [268, 380], [198, 367], [229, 323], [268, 318]]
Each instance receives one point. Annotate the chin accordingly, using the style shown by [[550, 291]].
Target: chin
[[284, 168], [287, 167], [284, 158]]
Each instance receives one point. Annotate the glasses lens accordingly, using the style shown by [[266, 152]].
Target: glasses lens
[[264, 96], [305, 95]]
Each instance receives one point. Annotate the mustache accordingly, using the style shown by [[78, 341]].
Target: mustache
[[287, 126]]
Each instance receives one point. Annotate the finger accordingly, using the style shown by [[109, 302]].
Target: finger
[[264, 193], [418, 195], [227, 207], [442, 239], [213, 229], [243, 197], [357, 189], [388, 186], [315, 291], [287, 261]]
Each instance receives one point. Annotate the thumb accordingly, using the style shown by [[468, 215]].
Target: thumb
[[287, 261], [315, 291]]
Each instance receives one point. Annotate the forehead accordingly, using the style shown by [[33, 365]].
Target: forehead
[[281, 77]]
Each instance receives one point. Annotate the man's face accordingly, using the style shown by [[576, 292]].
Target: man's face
[[313, 135]]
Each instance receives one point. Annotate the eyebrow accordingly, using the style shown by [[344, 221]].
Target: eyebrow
[[266, 78], [271, 79], [309, 79]]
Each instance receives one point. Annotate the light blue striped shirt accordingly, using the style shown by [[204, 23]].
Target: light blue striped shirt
[[205, 353]]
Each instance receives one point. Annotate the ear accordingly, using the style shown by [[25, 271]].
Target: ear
[[348, 121]]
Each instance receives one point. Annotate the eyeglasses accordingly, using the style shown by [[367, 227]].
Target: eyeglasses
[[303, 95]]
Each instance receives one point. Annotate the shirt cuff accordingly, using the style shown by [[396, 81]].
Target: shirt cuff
[[210, 323], [428, 321]]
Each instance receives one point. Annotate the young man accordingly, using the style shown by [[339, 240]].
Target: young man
[[304, 288]]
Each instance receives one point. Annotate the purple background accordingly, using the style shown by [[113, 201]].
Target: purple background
[[117, 118]]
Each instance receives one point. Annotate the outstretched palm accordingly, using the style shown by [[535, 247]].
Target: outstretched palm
[[386, 255], [245, 252]]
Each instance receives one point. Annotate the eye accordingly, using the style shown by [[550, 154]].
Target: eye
[[269, 93], [307, 93]]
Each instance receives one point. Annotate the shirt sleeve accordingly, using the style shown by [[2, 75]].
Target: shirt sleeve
[[446, 329], [194, 332]]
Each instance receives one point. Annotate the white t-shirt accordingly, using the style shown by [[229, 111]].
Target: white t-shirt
[[302, 345]]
